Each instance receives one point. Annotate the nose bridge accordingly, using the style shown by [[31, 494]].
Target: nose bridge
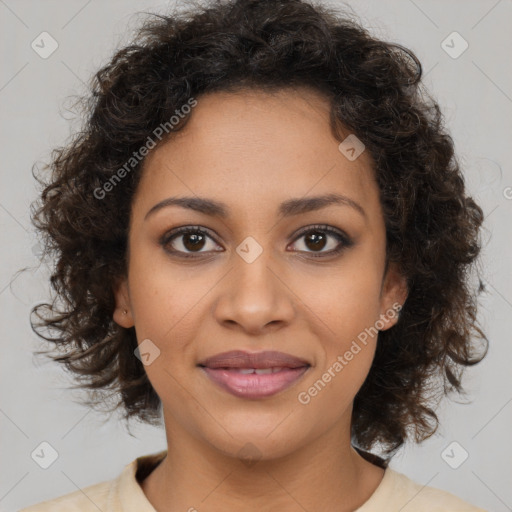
[[254, 295], [253, 279], [252, 268]]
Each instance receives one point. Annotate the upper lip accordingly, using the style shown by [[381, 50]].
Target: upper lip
[[265, 359]]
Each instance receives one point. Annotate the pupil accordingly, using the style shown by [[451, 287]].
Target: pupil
[[197, 241], [316, 237]]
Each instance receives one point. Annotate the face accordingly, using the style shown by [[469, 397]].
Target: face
[[267, 269]]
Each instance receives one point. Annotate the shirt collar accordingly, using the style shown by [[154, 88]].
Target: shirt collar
[[127, 494]]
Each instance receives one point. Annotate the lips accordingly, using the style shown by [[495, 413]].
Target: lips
[[256, 360], [254, 374]]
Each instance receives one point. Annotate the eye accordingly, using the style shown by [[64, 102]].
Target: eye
[[187, 240], [319, 237]]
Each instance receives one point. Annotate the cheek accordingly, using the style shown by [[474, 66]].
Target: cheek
[[162, 297], [346, 298], [346, 326], [330, 392], [165, 305], [344, 309]]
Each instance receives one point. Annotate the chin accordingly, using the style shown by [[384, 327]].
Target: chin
[[252, 449], [253, 440]]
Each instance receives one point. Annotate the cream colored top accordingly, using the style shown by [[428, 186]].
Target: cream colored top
[[395, 493]]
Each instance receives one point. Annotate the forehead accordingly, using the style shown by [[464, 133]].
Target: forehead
[[252, 147]]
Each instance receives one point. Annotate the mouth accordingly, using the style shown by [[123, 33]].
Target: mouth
[[254, 375]]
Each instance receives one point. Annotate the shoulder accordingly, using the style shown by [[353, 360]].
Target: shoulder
[[121, 493], [407, 495], [92, 498]]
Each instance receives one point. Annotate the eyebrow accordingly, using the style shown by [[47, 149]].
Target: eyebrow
[[287, 208]]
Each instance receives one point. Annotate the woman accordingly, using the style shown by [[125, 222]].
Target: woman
[[263, 235]]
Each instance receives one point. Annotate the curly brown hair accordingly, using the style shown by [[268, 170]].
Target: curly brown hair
[[375, 90]]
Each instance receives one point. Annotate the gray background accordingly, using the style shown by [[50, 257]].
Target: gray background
[[475, 91]]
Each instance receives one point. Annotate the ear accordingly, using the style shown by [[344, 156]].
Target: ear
[[393, 296], [123, 311]]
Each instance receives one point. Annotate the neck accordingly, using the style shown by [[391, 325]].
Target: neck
[[326, 474]]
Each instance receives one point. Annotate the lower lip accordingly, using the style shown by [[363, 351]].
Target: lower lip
[[253, 385]]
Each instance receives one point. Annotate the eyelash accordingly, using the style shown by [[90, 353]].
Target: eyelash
[[344, 240]]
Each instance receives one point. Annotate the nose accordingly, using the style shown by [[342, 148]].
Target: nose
[[255, 297]]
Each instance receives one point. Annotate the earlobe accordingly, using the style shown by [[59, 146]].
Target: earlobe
[[393, 297], [122, 313]]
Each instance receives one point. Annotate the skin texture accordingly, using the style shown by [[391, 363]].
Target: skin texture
[[253, 150]]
